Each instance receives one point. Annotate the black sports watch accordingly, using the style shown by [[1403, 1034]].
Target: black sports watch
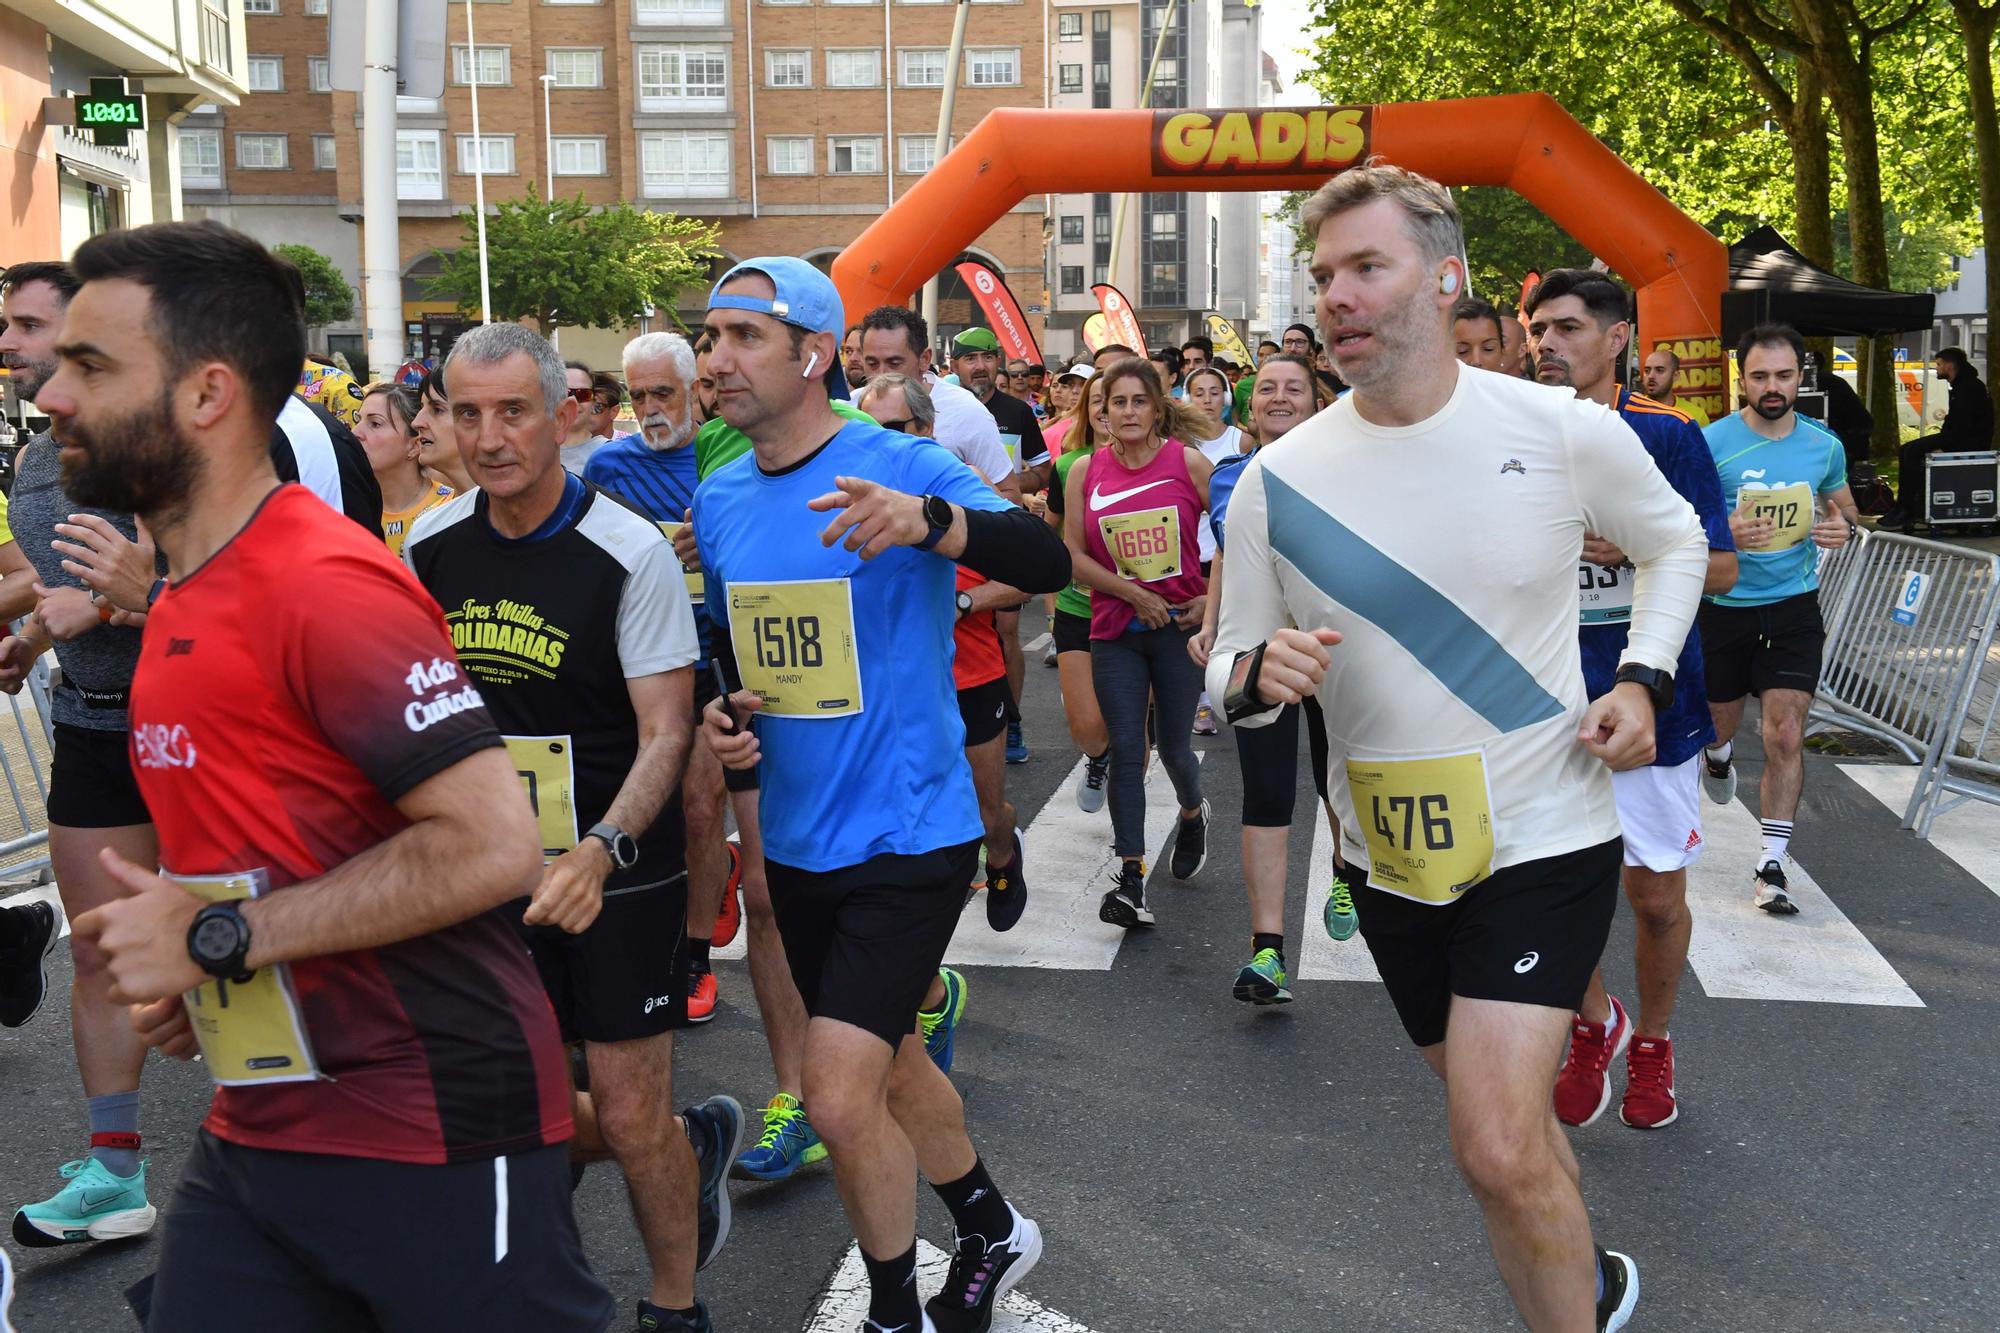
[[624, 851], [218, 939], [937, 513], [1241, 701], [964, 605], [1659, 684]]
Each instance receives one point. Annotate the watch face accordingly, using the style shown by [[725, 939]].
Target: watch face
[[216, 937], [937, 511]]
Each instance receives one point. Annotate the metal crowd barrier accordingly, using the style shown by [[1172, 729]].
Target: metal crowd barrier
[[25, 753]]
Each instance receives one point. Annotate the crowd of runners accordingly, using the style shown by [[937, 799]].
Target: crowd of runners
[[409, 773]]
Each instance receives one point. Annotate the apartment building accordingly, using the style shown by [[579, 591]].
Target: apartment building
[[793, 123]]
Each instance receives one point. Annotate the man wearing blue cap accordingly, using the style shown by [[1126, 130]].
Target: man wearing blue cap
[[842, 633]]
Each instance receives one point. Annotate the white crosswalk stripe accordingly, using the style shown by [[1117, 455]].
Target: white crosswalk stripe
[[1969, 835], [844, 1304]]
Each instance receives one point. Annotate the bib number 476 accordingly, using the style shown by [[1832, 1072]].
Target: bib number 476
[[1400, 819]]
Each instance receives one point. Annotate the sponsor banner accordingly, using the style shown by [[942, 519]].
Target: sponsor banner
[[1003, 312], [1228, 342], [1265, 141], [1704, 373], [1096, 332], [1119, 318]]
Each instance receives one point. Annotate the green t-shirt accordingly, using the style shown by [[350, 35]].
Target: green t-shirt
[[718, 442], [1242, 395], [1075, 599]]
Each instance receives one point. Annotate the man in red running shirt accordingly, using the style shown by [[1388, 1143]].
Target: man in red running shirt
[[338, 822]]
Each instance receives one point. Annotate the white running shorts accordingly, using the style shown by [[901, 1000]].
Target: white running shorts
[[1661, 811]]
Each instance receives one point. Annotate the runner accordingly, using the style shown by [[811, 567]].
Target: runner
[[895, 340], [1579, 323], [1069, 627], [384, 431], [1286, 396], [1144, 494], [1784, 478], [870, 819], [437, 445], [1656, 376], [1436, 628], [1209, 390], [1475, 333], [1064, 390], [338, 824]]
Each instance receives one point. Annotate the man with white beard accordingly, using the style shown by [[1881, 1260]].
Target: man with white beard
[[654, 472]]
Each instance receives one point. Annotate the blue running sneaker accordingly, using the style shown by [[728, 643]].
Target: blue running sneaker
[[1339, 915], [1263, 980], [1017, 748], [715, 1128], [941, 1028], [94, 1205], [788, 1143]]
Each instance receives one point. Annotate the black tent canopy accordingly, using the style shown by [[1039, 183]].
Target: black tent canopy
[[1770, 282]]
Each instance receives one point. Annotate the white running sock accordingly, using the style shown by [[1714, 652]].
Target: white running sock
[[1719, 753], [1777, 839]]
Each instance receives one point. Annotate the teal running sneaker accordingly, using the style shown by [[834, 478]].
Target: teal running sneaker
[[1263, 980], [941, 1028], [1341, 921], [788, 1143], [94, 1205]]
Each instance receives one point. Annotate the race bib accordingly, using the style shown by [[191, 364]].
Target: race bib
[[248, 1027], [1603, 593], [1146, 545], [550, 778], [1789, 507], [795, 646], [1428, 823], [695, 583]]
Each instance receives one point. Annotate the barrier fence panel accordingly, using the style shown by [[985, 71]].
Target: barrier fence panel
[[1964, 764], [25, 751]]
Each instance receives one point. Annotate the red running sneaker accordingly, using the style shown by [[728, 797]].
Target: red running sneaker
[[701, 996], [1583, 1088], [730, 917], [1649, 1084]]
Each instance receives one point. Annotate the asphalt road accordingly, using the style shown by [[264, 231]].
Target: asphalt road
[[1198, 1164]]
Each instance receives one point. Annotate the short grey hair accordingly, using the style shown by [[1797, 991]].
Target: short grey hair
[[490, 344], [923, 410], [1429, 213], [656, 346]]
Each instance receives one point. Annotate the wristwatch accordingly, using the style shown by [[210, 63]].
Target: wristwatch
[[1241, 701], [937, 513], [218, 939], [1659, 684], [624, 851], [964, 605]]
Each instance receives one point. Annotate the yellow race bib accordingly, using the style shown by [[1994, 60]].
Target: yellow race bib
[[1603, 593], [1428, 823], [546, 771], [794, 646], [1790, 508], [248, 1027], [695, 584], [1145, 545]]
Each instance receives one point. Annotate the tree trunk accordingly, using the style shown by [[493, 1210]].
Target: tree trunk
[[1812, 172], [1977, 21]]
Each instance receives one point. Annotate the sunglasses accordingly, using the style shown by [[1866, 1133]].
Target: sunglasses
[[581, 395], [900, 425]]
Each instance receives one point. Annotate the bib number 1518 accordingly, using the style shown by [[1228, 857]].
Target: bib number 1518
[[788, 643]]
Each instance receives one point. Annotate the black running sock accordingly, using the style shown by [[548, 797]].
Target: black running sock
[[660, 1312], [13, 927], [698, 955], [1263, 940], [976, 1206], [892, 1290]]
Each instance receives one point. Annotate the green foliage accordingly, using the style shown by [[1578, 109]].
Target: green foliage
[[567, 263], [329, 299]]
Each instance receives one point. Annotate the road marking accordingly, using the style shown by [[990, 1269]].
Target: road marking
[[1320, 957], [1742, 953], [845, 1302], [1069, 862], [1969, 835], [1035, 645], [45, 893]]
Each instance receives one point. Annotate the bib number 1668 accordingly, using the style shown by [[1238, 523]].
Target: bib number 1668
[[1400, 819], [788, 643]]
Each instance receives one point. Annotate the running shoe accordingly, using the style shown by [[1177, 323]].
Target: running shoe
[[870, 1326], [1017, 748], [652, 1319], [1768, 890], [1204, 721], [1621, 1290], [24, 974], [1090, 790], [1649, 1084], [1049, 654], [729, 919], [1339, 914], [1262, 980], [701, 995], [1583, 1088], [93, 1205], [1718, 781], [1190, 844], [1006, 891], [715, 1128], [981, 1274], [941, 1028], [788, 1143], [1125, 904]]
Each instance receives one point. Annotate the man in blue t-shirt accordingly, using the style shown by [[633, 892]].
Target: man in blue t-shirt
[[1579, 325], [1785, 480], [829, 554]]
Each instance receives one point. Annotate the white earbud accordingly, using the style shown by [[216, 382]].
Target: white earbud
[[1448, 282], [811, 362]]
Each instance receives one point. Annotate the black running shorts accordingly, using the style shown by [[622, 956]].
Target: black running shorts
[[1529, 934], [864, 942], [1071, 632], [983, 709], [313, 1243], [1749, 649], [90, 780], [625, 976]]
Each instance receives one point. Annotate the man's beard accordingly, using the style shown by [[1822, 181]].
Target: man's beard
[[140, 463], [1565, 377], [29, 376], [1757, 405], [1402, 333], [678, 432]]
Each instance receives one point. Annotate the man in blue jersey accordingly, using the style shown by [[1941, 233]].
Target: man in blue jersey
[[1579, 324], [1784, 477], [829, 557]]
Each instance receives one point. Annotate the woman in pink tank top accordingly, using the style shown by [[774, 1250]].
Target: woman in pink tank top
[[1136, 547]]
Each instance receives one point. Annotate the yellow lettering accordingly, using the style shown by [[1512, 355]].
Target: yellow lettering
[[1235, 145], [1344, 137], [1280, 135], [552, 654], [1186, 138]]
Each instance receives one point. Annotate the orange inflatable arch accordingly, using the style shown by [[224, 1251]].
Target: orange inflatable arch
[[1524, 141]]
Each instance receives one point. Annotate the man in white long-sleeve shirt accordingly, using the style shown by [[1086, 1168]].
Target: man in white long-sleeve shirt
[[1423, 536]]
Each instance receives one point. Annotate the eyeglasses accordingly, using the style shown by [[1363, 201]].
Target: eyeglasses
[[581, 395], [900, 425]]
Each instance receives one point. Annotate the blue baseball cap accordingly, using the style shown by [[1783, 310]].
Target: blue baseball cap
[[806, 299]]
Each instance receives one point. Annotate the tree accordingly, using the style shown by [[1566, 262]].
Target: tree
[[329, 299], [1977, 22], [568, 263]]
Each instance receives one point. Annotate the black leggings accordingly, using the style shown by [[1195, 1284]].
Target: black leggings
[[1269, 759]]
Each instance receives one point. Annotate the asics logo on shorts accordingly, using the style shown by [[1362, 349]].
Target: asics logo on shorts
[[658, 1002], [1528, 961], [1098, 499]]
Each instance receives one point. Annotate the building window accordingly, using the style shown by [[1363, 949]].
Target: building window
[[921, 67], [788, 69], [1072, 229], [1072, 279], [1100, 20], [579, 155], [577, 68], [1069, 26], [323, 159], [1072, 78], [201, 159], [683, 78], [315, 8], [915, 153], [490, 64], [419, 165], [495, 151], [677, 12], [1100, 273], [260, 6], [854, 155], [993, 67], [854, 68], [791, 155], [267, 74], [261, 152], [675, 164], [318, 78]]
